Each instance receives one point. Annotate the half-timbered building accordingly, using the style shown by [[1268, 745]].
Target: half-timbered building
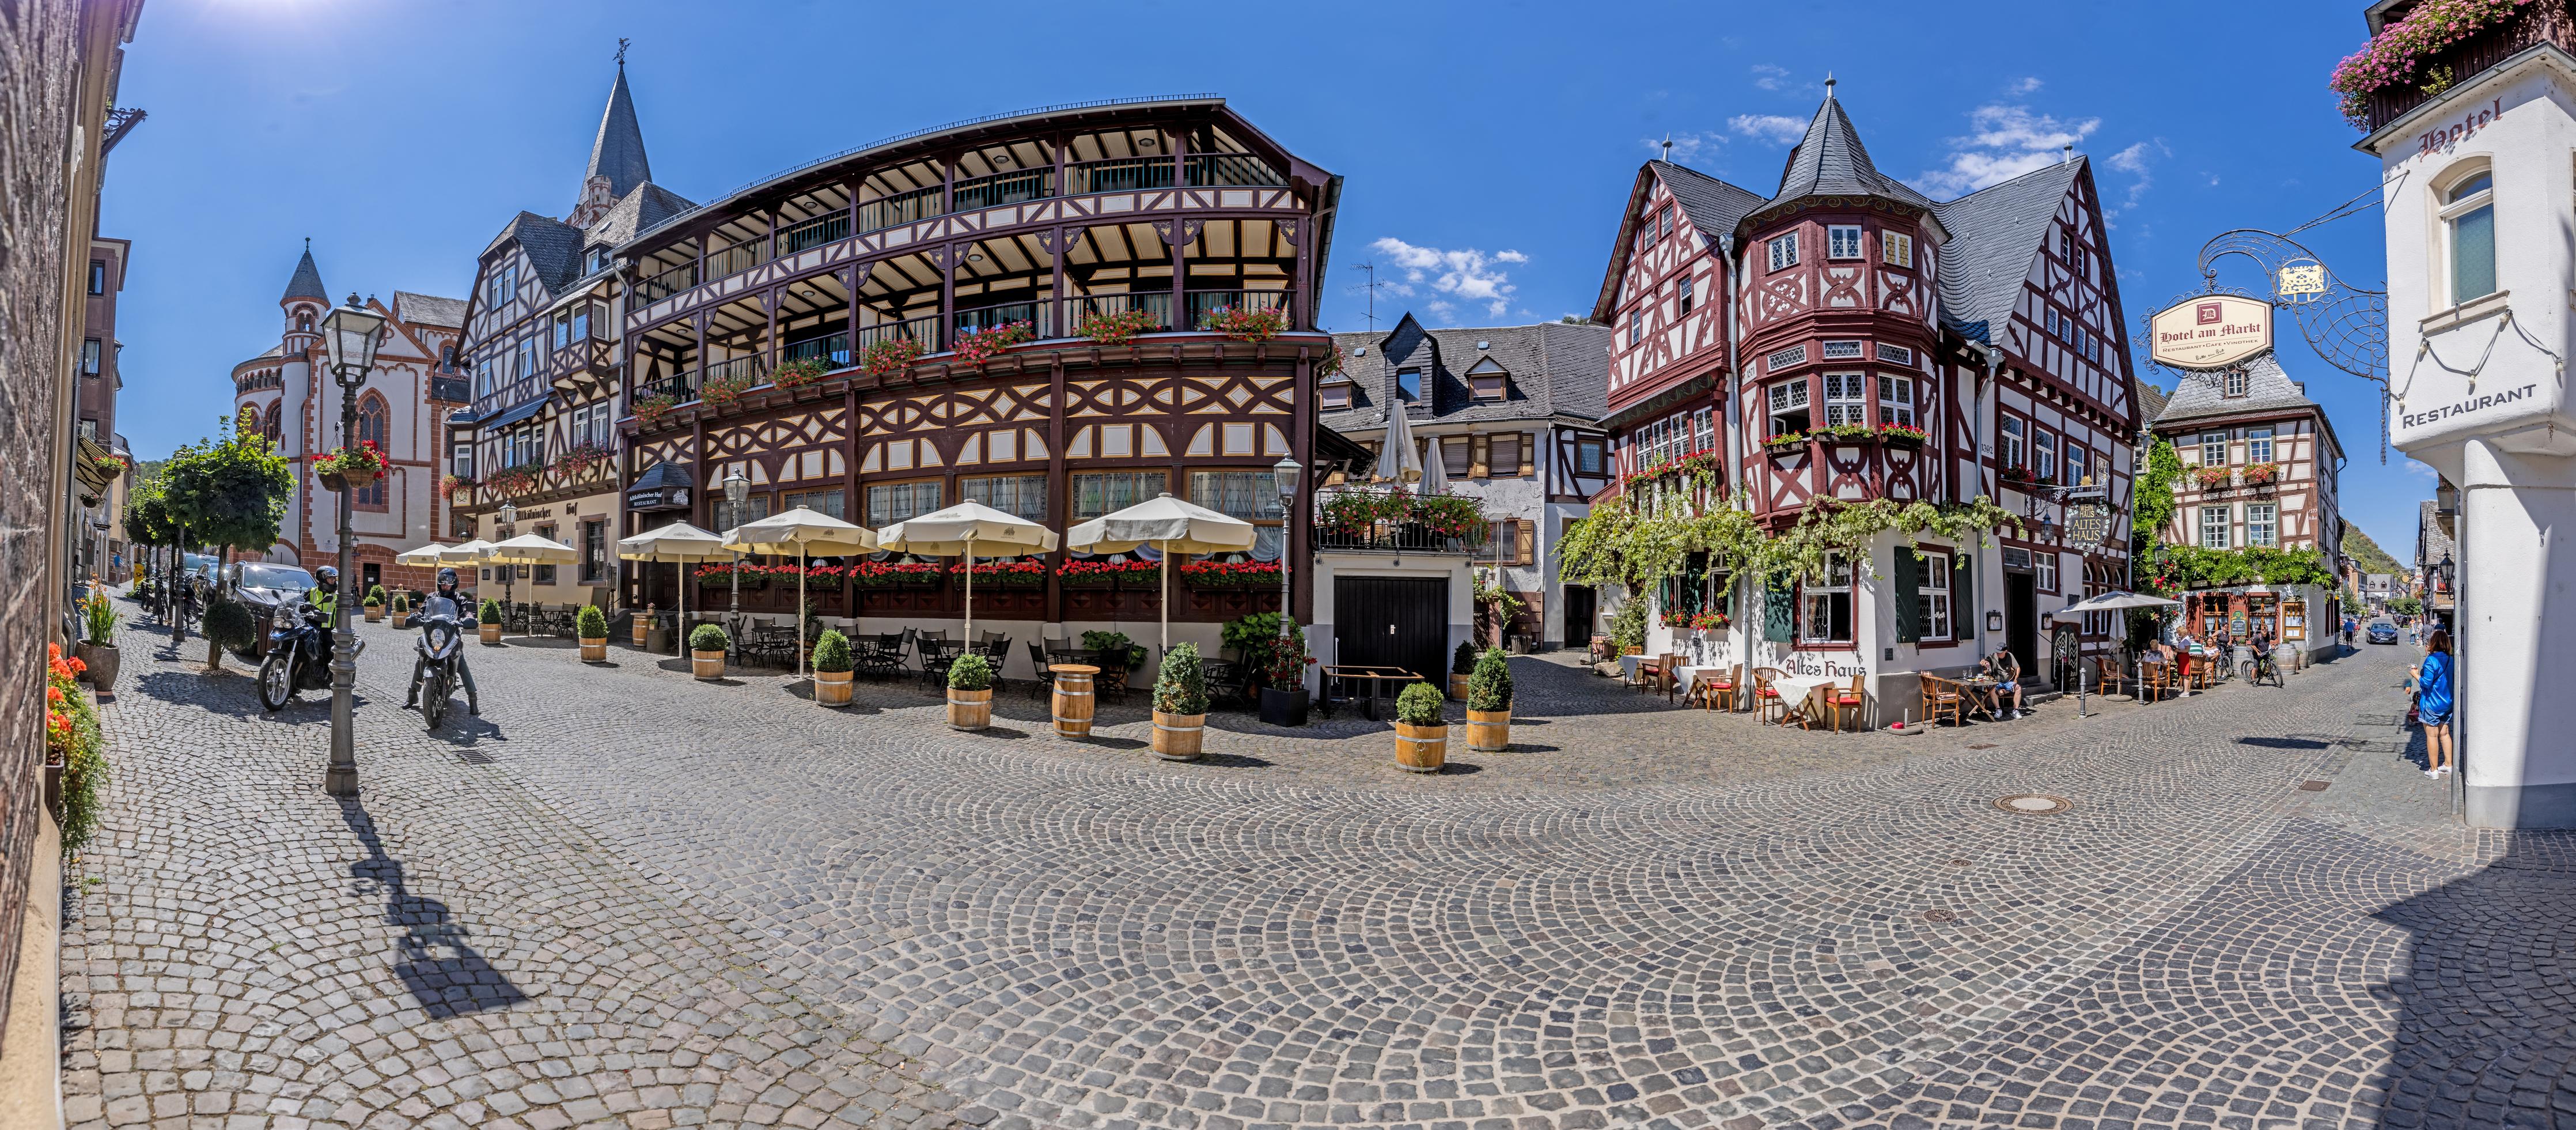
[[2259, 470], [287, 393], [545, 357], [1056, 313], [1511, 415], [1847, 338]]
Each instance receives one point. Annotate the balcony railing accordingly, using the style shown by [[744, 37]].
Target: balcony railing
[[2545, 22], [833, 349], [734, 258], [1394, 537], [668, 283], [1202, 301], [1003, 314], [901, 208], [1156, 302], [743, 367], [680, 387], [1208, 170], [1119, 174], [1003, 188], [1374, 520], [814, 233], [924, 329]]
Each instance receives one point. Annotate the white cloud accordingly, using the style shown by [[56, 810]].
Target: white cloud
[[2138, 161], [1687, 146], [2024, 86], [1768, 127], [2009, 141], [1769, 77], [1465, 275]]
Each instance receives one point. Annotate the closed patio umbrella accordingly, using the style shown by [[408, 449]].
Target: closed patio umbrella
[[953, 532], [529, 549], [678, 543], [1169, 525], [800, 531], [1398, 462]]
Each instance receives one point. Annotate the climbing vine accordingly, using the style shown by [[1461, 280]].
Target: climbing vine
[[1636, 544]]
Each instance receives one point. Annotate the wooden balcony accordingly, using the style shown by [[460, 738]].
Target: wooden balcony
[[2544, 21]]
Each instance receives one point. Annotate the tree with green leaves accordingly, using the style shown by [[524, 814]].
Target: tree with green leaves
[[230, 492]]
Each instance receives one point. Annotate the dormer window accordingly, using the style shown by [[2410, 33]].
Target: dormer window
[[1488, 380], [1333, 395], [1784, 250], [1408, 384], [1842, 241], [2234, 383]]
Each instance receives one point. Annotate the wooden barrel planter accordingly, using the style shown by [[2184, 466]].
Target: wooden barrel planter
[[1421, 749], [375, 612], [643, 629], [832, 688], [1073, 700], [970, 710], [1489, 731], [708, 665], [594, 650], [490, 633], [1177, 736], [1458, 687]]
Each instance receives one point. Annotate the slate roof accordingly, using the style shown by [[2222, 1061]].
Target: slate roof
[[1994, 233], [2267, 388], [307, 281], [1556, 369], [2149, 398], [551, 244], [1830, 161], [2431, 544], [665, 473], [648, 205], [429, 309], [618, 152], [1714, 206]]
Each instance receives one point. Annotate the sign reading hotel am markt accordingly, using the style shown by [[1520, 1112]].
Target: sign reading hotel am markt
[[2211, 331]]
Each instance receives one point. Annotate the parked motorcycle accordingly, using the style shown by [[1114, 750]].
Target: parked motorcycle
[[299, 655], [441, 647]]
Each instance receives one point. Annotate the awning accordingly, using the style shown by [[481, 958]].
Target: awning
[[508, 416]]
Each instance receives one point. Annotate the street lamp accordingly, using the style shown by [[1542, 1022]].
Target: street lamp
[[349, 344], [509, 516], [737, 491], [1284, 473]]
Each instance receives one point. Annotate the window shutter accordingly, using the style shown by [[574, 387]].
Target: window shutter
[[1479, 458], [1528, 537], [1964, 617], [1529, 451], [1909, 596], [1779, 607]]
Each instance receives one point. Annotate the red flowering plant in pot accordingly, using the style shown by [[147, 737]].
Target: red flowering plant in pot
[[651, 410], [724, 392], [114, 465], [1021, 574], [1117, 328], [1244, 324], [519, 479], [1081, 574], [449, 486], [895, 574], [1231, 574], [2403, 52], [2257, 474], [579, 458], [351, 466], [2210, 477], [1902, 433], [978, 346], [890, 355], [801, 371]]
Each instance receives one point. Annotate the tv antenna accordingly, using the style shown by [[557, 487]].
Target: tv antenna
[[1370, 287]]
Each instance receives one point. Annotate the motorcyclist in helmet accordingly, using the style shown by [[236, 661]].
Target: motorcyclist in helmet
[[324, 596], [444, 602]]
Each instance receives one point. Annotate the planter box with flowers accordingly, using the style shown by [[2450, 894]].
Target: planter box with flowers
[[348, 467], [1244, 324], [2260, 474], [2406, 58], [890, 355], [517, 480], [727, 391], [1118, 328], [449, 486], [1846, 433], [579, 459], [1789, 442], [2211, 478], [720, 575], [1231, 575], [1003, 574], [896, 574], [978, 346], [801, 371], [1132, 574], [1902, 435], [1695, 463], [650, 411]]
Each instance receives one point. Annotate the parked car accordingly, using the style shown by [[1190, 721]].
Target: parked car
[[263, 586], [199, 570], [2381, 631]]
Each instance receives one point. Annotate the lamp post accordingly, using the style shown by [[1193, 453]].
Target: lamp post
[[737, 491], [509, 517], [1284, 473], [349, 342]]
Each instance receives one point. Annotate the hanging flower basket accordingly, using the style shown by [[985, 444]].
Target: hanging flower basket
[[1114, 329], [1257, 575], [348, 467], [890, 355]]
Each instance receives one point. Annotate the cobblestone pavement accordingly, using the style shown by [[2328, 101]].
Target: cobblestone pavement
[[1638, 916]]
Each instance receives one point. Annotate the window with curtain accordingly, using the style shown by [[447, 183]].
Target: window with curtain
[[1020, 496], [889, 503], [1099, 492], [1455, 456], [818, 501], [2468, 218], [1250, 495], [1935, 591], [1825, 605]]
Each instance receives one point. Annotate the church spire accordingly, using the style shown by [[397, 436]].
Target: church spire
[[618, 152], [307, 282]]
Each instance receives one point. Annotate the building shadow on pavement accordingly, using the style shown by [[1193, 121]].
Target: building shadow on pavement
[[2486, 995], [445, 974]]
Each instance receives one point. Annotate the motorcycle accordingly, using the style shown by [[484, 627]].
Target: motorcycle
[[299, 656], [442, 643]]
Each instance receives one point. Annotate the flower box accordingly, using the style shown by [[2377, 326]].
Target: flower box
[[722, 576], [890, 355], [1003, 574], [1244, 324], [2212, 477], [978, 346], [1118, 328], [895, 575], [1903, 434], [1231, 574], [1787, 442]]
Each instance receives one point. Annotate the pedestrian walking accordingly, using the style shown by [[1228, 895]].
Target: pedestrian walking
[[183, 606], [2433, 702]]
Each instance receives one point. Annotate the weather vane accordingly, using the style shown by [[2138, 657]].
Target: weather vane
[[622, 41]]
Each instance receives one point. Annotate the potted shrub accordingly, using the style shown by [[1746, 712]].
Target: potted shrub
[[1283, 690], [401, 607], [832, 668], [1180, 705], [1112, 645], [488, 621], [1421, 734], [707, 651], [374, 604], [1462, 664], [970, 692], [591, 625], [99, 652], [228, 623], [1489, 703], [642, 629]]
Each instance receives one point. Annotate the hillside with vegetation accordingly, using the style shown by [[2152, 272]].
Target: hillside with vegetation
[[2367, 554]]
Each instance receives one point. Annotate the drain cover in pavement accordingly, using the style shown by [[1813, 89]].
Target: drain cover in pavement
[[1939, 916], [2034, 804]]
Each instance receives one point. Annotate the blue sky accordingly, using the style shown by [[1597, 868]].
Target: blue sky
[[1488, 146]]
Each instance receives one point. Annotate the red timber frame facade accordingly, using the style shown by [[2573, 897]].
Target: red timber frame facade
[[1156, 212], [1841, 315]]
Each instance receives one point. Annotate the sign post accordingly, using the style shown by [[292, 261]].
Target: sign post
[[2210, 331]]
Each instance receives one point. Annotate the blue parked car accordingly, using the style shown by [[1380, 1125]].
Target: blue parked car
[[2381, 631]]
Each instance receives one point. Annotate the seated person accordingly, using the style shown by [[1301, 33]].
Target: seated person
[[2005, 669]]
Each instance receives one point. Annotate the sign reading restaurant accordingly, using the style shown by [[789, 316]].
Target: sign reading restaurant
[[2210, 331], [2463, 408]]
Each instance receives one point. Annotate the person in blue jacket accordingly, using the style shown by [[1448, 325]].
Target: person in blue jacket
[[2433, 702]]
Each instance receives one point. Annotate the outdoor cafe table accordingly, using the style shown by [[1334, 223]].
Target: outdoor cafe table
[[1377, 681], [1801, 689]]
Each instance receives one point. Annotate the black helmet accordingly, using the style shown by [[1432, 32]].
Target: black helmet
[[329, 577], [446, 579]]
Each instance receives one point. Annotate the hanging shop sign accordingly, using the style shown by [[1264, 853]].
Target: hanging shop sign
[[2210, 331]]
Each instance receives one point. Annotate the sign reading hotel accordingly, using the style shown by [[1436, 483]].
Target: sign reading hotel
[[2211, 331]]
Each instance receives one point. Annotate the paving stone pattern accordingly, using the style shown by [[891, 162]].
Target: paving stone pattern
[[1639, 916]]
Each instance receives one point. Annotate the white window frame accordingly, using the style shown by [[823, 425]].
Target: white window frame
[[1784, 250], [1784, 358], [2008, 443], [1821, 597], [1935, 589], [1896, 248], [2263, 523], [1896, 400], [1842, 351], [2214, 523], [1895, 354], [2043, 568], [1683, 294], [1846, 399], [1842, 241], [2454, 211], [1636, 326], [2208, 441], [2234, 384], [2043, 446], [1784, 397], [2079, 462], [2258, 445]]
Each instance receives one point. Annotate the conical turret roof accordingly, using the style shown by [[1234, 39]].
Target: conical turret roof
[[1830, 161], [307, 282], [618, 152]]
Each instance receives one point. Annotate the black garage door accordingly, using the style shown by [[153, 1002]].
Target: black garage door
[[1393, 622]]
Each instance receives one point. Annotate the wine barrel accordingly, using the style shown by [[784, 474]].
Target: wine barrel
[[1421, 749], [1177, 736], [1073, 700], [1489, 730]]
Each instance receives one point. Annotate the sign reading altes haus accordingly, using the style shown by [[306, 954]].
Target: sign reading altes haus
[[2212, 331]]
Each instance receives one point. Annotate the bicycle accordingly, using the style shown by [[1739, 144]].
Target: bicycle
[[2265, 668]]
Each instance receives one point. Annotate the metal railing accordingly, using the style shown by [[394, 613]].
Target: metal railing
[[1208, 170], [1394, 537], [738, 367], [1003, 314], [901, 208], [813, 233], [1118, 174], [1156, 302], [1002, 188], [1202, 301], [668, 283], [2547, 22], [832, 348], [924, 329], [735, 258], [680, 387]]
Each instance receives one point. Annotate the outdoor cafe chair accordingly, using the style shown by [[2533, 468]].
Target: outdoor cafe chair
[[2108, 675], [1766, 696], [1942, 696], [1851, 699], [1658, 674], [2155, 679], [1044, 684], [1708, 687]]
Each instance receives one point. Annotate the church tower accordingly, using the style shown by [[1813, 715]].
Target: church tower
[[617, 163], [304, 303]]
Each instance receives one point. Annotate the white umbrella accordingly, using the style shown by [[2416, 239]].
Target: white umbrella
[[800, 531], [953, 532], [466, 553], [1397, 461], [423, 555], [1435, 472], [2109, 602], [528, 549], [1169, 525], [678, 543]]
